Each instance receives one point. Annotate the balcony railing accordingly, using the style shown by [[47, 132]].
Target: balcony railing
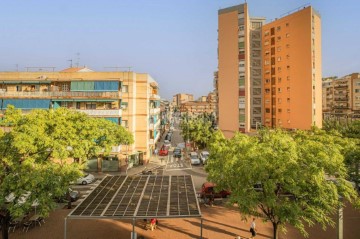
[[155, 111], [110, 113], [156, 97], [60, 94]]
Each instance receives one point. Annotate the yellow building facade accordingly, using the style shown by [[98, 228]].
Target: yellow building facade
[[127, 98]]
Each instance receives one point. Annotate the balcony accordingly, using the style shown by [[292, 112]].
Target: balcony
[[59, 94], [103, 113], [154, 97], [155, 111], [154, 125], [341, 98]]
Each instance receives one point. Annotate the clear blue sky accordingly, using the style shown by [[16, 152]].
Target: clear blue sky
[[173, 40]]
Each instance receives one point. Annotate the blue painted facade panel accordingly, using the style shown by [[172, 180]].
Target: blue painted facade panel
[[27, 103], [106, 86]]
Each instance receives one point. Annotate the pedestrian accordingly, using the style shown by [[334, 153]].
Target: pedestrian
[[153, 223], [253, 229]]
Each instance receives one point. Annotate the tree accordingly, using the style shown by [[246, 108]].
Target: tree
[[35, 153], [286, 178], [198, 130], [351, 131]]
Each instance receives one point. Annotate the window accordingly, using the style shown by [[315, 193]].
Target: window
[[272, 30], [287, 24], [267, 33], [267, 91], [288, 100], [266, 42], [256, 25], [288, 88], [267, 53], [288, 78], [241, 28], [267, 81], [124, 105], [279, 110], [357, 90], [288, 110], [278, 28], [267, 110], [279, 58], [279, 48], [107, 106], [278, 39], [18, 88], [287, 45], [267, 101], [279, 90], [287, 35], [288, 67], [279, 100], [124, 123], [64, 104], [90, 106], [266, 62], [78, 105], [279, 80], [125, 89], [279, 69]]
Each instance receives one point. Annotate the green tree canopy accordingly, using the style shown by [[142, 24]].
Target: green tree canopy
[[198, 130], [35, 153], [286, 178], [351, 131]]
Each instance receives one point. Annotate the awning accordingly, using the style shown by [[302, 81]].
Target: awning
[[85, 100]]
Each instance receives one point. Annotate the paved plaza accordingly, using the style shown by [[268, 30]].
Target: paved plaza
[[219, 222]]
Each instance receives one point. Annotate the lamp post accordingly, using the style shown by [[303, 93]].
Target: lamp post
[[340, 226]]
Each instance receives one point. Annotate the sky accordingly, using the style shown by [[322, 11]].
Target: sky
[[175, 41]]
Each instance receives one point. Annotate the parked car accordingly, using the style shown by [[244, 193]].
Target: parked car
[[168, 136], [208, 189], [181, 145], [194, 159], [177, 153], [163, 151], [204, 155], [88, 178], [167, 143]]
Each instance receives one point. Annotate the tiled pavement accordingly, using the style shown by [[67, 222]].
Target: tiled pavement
[[218, 223]]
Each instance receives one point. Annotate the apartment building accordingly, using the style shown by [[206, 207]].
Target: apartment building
[[292, 71], [206, 105], [126, 98], [233, 70], [178, 99], [341, 96], [327, 95], [268, 74]]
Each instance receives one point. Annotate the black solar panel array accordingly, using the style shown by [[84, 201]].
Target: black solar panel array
[[141, 196]]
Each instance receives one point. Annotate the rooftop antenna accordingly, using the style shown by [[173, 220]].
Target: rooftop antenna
[[70, 63], [77, 59]]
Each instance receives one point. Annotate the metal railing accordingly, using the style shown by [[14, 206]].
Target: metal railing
[[51, 94]]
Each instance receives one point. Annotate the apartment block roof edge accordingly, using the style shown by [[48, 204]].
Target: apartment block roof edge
[[239, 8]]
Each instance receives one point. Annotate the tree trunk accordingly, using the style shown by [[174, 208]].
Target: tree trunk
[[5, 226], [275, 228], [68, 200]]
